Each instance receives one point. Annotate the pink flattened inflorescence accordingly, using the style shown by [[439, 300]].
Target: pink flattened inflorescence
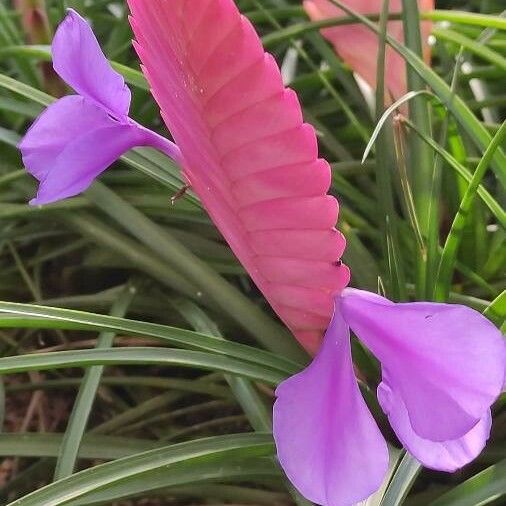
[[247, 153]]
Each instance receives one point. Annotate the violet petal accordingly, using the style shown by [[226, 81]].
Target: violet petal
[[71, 143], [80, 62], [58, 125], [440, 455], [327, 441], [446, 362]]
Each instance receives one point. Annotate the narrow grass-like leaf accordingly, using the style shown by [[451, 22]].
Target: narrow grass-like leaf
[[422, 177], [160, 482], [450, 250], [245, 393], [482, 192], [10, 35], [384, 117], [215, 450], [298, 29], [92, 447], [139, 356], [401, 482], [138, 254], [25, 90], [480, 50], [199, 386], [78, 419], [481, 489], [496, 311], [203, 490], [19, 315], [384, 180], [468, 18]]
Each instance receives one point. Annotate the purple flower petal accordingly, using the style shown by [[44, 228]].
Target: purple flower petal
[[60, 124], [72, 142], [445, 362], [440, 455], [80, 62], [327, 441]]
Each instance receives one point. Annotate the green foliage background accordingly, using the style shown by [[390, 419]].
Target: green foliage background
[[179, 411]]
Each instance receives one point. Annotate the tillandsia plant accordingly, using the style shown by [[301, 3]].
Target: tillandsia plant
[[246, 152]]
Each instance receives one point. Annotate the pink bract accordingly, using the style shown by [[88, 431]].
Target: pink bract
[[358, 46], [247, 153]]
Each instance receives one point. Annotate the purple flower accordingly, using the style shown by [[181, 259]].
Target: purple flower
[[79, 136], [327, 441], [443, 366]]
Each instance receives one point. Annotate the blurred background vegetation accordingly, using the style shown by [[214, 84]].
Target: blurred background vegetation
[[122, 249]]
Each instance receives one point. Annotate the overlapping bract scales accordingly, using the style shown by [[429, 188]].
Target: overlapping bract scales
[[248, 154]]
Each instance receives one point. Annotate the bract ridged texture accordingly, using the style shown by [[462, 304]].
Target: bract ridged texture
[[247, 153], [358, 46]]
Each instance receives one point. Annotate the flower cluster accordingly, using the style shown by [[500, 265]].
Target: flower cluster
[[243, 146]]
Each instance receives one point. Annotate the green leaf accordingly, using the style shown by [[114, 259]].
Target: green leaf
[[421, 179], [496, 311], [215, 450], [402, 481], [198, 471], [79, 416], [469, 18], [449, 255], [25, 90], [482, 192], [244, 391], [93, 446], [200, 386], [139, 356], [481, 489], [32, 316], [455, 16], [484, 52], [385, 116]]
